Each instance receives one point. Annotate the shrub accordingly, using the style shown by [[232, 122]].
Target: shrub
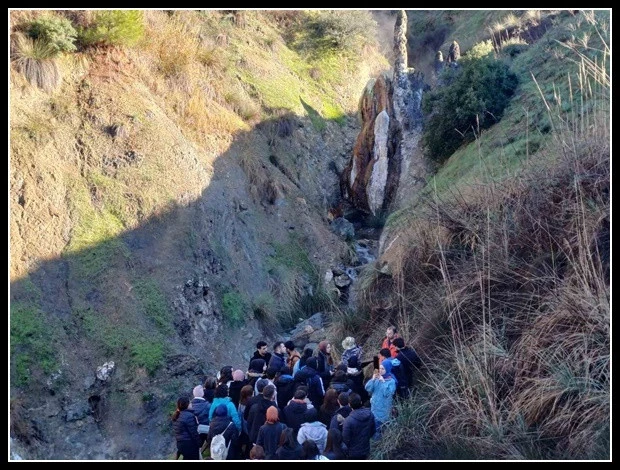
[[335, 30], [35, 60], [473, 99], [114, 28], [58, 33]]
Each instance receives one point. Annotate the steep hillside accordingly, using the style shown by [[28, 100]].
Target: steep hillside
[[170, 182], [498, 272]]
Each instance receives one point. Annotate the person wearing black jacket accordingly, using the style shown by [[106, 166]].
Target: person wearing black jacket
[[341, 413], [295, 411], [221, 423], [309, 376], [289, 448], [186, 431], [409, 364], [258, 412], [261, 353]]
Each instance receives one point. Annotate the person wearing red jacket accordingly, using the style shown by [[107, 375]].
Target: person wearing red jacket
[[388, 341]]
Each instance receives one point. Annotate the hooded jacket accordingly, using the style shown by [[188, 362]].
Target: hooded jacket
[[315, 431], [357, 430], [230, 407]]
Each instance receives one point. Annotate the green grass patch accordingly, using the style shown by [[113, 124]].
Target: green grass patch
[[292, 255], [233, 307], [148, 353], [32, 343], [332, 112], [154, 303], [116, 337], [317, 120], [94, 244]]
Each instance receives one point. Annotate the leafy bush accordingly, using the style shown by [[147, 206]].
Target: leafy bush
[[58, 33], [35, 59], [474, 98], [114, 28]]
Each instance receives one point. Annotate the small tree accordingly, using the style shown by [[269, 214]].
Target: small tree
[[114, 28]]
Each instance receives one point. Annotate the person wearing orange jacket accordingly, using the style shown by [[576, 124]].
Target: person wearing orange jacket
[[388, 342]]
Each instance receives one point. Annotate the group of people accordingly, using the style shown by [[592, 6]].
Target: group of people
[[292, 406]]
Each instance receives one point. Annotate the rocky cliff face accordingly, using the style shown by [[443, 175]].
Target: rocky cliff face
[[386, 158]]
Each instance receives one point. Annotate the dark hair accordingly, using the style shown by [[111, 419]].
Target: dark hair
[[257, 365], [334, 443], [182, 404], [276, 344], [221, 391], [343, 398], [340, 376], [385, 352], [399, 343], [260, 344], [226, 374], [342, 366], [286, 370], [312, 363], [311, 415], [247, 391], [300, 394], [260, 385], [330, 402], [287, 438], [289, 345], [307, 353], [309, 450], [210, 382], [355, 401], [271, 372], [257, 452], [269, 391]]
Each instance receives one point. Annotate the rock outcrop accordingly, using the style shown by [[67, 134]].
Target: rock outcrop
[[385, 155]]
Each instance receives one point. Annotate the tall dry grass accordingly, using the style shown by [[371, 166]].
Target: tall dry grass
[[507, 294]]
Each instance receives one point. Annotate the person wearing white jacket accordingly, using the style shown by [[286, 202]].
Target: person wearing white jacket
[[313, 430]]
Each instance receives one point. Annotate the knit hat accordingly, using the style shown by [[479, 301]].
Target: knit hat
[[238, 375], [272, 415], [198, 391], [348, 342]]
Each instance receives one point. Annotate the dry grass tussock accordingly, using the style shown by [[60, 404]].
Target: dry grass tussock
[[507, 291], [36, 60]]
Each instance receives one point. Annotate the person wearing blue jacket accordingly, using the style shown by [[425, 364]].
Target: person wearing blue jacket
[[222, 398], [358, 428], [381, 387]]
